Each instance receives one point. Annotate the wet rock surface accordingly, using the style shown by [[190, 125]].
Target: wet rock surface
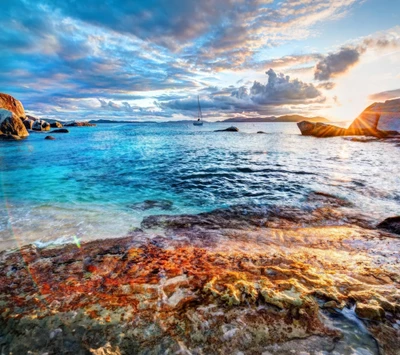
[[245, 279], [391, 224]]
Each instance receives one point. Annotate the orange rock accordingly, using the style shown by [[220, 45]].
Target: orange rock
[[9, 103]]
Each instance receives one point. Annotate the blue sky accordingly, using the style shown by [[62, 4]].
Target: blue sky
[[148, 60]]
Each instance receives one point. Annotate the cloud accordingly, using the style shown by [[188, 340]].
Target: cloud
[[326, 86], [336, 63], [60, 57], [385, 95], [280, 90]]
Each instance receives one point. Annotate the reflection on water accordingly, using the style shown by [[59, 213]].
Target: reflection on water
[[356, 339], [83, 183]]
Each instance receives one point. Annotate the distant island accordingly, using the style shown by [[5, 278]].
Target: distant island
[[118, 121], [285, 118]]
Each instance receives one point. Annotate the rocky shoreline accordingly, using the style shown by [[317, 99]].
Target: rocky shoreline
[[379, 120], [15, 124], [248, 279]]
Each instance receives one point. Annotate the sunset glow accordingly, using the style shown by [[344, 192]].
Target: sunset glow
[[144, 62]]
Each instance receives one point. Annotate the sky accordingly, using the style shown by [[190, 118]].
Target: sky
[[151, 59]]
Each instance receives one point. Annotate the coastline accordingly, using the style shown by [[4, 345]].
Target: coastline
[[190, 283]]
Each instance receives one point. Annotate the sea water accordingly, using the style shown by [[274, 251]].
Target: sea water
[[93, 182]]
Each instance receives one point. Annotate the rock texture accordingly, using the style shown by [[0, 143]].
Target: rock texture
[[383, 116], [56, 124], [380, 120], [391, 224], [11, 125], [40, 125], [202, 285], [320, 129], [9, 103], [28, 123]]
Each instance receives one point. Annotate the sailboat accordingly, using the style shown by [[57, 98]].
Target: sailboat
[[199, 121]]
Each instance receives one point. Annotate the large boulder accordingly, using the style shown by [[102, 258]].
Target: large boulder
[[56, 124], [320, 129], [380, 120], [9, 103], [381, 116], [11, 124], [40, 125], [29, 117], [28, 123]]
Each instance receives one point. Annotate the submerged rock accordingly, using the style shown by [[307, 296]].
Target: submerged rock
[[246, 279], [229, 129], [10, 137], [61, 130], [150, 204], [391, 224], [7, 102], [50, 138], [11, 125]]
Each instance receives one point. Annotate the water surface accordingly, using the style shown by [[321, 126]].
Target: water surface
[[92, 182]]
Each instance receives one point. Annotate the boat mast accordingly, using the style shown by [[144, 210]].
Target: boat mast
[[199, 114]]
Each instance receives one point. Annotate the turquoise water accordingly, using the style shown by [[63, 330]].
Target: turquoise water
[[92, 182]]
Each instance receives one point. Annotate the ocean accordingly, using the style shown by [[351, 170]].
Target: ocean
[[99, 182]]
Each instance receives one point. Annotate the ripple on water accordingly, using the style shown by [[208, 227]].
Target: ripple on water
[[114, 166]]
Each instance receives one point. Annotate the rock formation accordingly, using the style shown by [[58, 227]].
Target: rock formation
[[56, 124], [229, 129], [11, 126], [61, 130], [9, 103], [79, 124], [40, 125], [382, 116], [391, 224], [379, 120], [244, 279]]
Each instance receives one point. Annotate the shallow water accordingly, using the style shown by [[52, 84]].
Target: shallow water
[[92, 182]]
